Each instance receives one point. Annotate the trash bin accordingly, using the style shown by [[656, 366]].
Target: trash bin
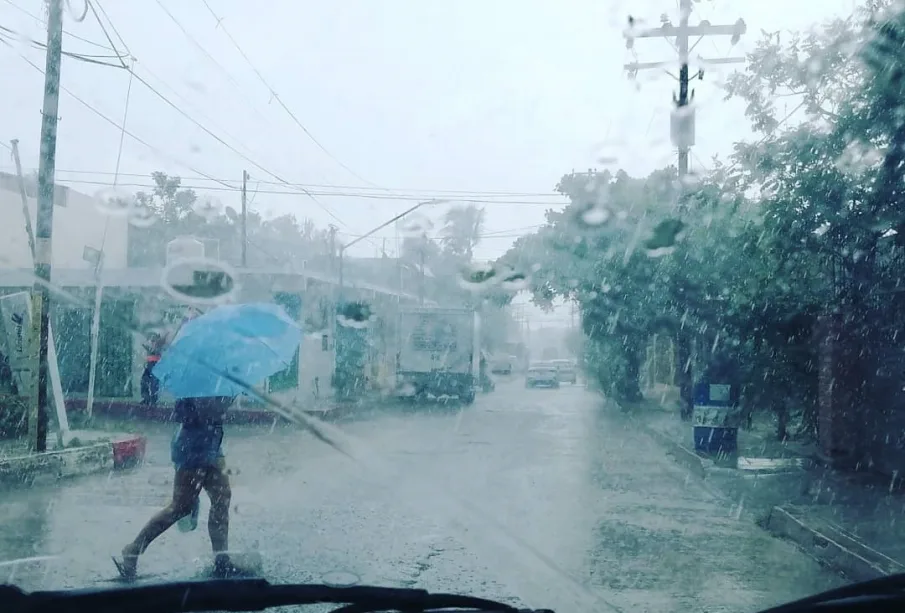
[[715, 423]]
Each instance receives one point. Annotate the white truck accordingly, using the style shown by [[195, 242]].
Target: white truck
[[437, 352]]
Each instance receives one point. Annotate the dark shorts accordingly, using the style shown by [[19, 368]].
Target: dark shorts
[[198, 441], [197, 446]]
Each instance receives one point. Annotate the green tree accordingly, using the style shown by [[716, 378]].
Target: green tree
[[462, 231]]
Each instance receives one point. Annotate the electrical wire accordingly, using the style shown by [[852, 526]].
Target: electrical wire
[[282, 104], [212, 59], [6, 32], [233, 149], [122, 41], [97, 18], [39, 20], [239, 88], [113, 123], [176, 107], [506, 233], [224, 185], [220, 140], [426, 193]]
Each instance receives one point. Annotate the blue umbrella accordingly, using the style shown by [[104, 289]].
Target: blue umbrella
[[227, 350]]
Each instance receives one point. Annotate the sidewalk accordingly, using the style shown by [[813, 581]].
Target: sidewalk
[[246, 412], [84, 452], [852, 522]]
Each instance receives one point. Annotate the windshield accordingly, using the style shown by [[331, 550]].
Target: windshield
[[588, 306]]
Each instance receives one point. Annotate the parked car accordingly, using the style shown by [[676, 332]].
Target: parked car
[[541, 374], [566, 371], [502, 365]]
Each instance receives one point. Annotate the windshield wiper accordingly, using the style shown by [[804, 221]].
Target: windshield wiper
[[238, 595], [883, 594]]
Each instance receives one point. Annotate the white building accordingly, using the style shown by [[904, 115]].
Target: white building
[[134, 299], [78, 222]]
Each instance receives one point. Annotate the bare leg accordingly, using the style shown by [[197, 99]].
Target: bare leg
[[187, 485], [216, 484]]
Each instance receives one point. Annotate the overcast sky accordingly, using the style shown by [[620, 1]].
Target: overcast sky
[[414, 95], [411, 98]]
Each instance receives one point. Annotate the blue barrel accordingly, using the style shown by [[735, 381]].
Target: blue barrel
[[715, 430]]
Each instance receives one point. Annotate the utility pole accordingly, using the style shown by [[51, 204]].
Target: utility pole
[[421, 283], [682, 124], [24, 195], [682, 130], [38, 416], [244, 219], [333, 286], [332, 248]]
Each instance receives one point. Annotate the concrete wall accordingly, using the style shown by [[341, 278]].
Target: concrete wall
[[77, 220]]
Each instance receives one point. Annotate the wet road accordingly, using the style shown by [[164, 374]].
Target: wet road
[[542, 497]]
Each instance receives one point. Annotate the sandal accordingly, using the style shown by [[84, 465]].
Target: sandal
[[126, 572]]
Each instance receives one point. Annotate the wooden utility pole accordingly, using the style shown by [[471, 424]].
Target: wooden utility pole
[[421, 283], [38, 416], [682, 130], [244, 219]]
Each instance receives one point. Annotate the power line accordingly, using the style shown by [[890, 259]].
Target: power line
[[225, 186], [245, 157], [89, 59], [280, 101], [478, 236], [211, 58], [125, 131], [184, 114], [122, 41], [90, 5], [403, 191], [41, 21]]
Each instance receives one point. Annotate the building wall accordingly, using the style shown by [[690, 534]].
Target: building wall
[[77, 223]]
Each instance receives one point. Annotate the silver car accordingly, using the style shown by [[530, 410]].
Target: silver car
[[542, 374], [566, 371]]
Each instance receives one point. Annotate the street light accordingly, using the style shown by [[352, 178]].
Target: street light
[[342, 248]]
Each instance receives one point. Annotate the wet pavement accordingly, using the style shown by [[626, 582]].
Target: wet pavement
[[539, 497]]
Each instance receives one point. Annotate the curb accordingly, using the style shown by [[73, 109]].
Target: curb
[[123, 452], [129, 411], [825, 542], [831, 546], [683, 456]]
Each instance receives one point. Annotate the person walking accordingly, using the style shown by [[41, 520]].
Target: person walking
[[150, 386], [197, 455]]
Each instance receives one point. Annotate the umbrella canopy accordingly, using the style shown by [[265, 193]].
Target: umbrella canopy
[[228, 350]]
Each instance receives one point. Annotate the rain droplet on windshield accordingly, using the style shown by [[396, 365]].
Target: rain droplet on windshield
[[515, 281], [594, 215], [663, 238], [354, 315], [111, 201], [348, 322], [207, 208], [141, 216], [416, 224], [200, 281], [475, 277]]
